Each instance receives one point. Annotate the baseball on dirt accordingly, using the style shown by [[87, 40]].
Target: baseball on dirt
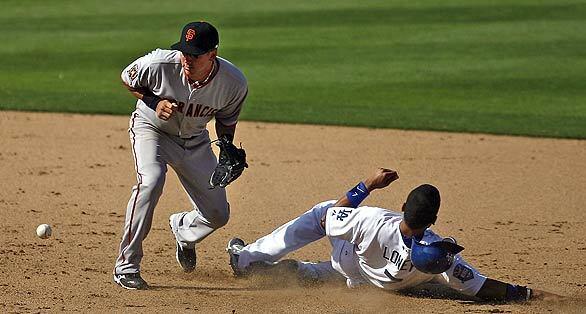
[[44, 231]]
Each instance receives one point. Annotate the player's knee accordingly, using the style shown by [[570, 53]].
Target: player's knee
[[222, 221], [220, 218]]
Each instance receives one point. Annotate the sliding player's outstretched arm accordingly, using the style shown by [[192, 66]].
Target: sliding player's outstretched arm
[[495, 290], [380, 179]]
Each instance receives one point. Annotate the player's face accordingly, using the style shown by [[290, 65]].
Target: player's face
[[194, 66]]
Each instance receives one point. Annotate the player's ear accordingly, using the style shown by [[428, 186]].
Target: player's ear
[[213, 54]]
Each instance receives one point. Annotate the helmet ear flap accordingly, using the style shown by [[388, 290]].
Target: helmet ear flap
[[450, 247], [434, 258]]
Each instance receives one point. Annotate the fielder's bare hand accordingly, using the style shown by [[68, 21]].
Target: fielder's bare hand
[[165, 109], [380, 179]]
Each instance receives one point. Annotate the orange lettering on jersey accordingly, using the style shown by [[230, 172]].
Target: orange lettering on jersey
[[189, 111], [202, 113], [197, 110]]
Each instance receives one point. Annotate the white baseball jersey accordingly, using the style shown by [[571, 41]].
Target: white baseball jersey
[[367, 247], [381, 256], [160, 71]]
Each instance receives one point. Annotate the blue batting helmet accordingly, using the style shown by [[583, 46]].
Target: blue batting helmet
[[434, 258]]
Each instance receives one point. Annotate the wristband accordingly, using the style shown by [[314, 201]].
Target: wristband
[[151, 101], [357, 194]]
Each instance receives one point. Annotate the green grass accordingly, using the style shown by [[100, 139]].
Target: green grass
[[504, 67]]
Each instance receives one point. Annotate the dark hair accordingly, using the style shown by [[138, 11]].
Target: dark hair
[[422, 206]]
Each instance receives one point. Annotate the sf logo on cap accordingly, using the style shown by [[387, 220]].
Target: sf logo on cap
[[190, 34]]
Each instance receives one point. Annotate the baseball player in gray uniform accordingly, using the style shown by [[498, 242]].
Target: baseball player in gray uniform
[[179, 91], [375, 246]]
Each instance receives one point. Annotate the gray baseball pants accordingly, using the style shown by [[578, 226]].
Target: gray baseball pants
[[193, 161]]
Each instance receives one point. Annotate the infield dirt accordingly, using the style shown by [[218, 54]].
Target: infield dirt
[[515, 203]]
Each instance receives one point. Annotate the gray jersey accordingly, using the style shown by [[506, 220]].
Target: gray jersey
[[160, 72], [181, 142]]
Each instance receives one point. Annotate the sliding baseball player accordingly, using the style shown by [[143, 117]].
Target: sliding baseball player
[[375, 246]]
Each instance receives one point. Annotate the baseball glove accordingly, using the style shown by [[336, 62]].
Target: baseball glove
[[231, 164]]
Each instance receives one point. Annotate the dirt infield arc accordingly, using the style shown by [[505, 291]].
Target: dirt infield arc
[[516, 204]]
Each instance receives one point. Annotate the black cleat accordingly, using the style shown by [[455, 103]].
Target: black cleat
[[131, 281], [235, 245], [186, 258]]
